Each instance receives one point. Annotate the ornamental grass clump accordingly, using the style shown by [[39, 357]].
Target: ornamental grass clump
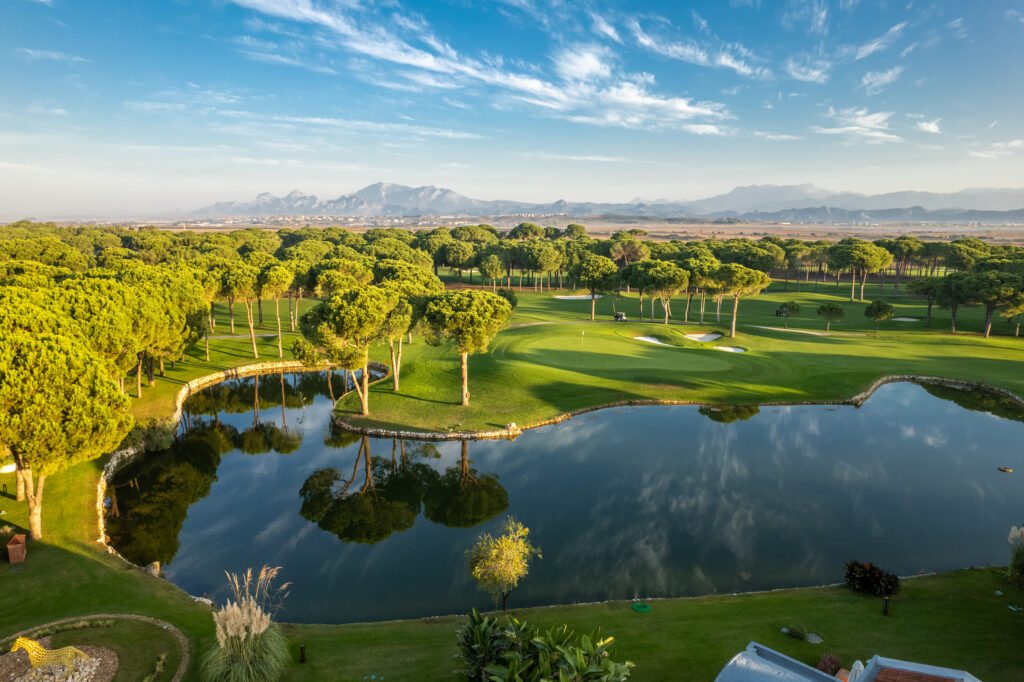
[[1016, 540], [250, 647]]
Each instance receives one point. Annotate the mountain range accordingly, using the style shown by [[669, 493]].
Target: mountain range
[[787, 203]]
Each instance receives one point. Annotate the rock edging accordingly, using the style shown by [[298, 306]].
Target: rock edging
[[175, 632], [512, 431]]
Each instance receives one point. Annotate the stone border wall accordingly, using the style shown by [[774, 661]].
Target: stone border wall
[[512, 431]]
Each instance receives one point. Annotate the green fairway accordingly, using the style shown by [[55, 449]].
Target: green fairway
[[553, 360]]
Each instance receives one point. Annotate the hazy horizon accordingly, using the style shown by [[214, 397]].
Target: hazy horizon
[[126, 111]]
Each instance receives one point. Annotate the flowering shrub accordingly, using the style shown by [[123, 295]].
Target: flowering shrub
[[870, 579]]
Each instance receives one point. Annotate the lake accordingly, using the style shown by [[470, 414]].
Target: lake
[[625, 502]]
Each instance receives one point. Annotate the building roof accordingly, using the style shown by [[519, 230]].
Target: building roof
[[758, 663]]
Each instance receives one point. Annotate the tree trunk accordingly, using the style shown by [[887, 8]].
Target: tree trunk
[[20, 493], [853, 284], [213, 320], [953, 309], [364, 395], [138, 378], [928, 319], [465, 379], [593, 305], [828, 324], [394, 364], [252, 331], [291, 314], [161, 366], [280, 339], [863, 281], [330, 386], [398, 362], [259, 307], [718, 309], [686, 311], [988, 319], [231, 314], [34, 497], [504, 599], [150, 374], [703, 296], [642, 304], [206, 336], [735, 308], [876, 325]]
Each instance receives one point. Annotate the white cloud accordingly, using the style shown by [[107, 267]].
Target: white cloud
[[689, 51], [48, 3], [730, 56], [777, 136], [859, 123], [627, 103], [808, 69], [993, 124], [604, 27], [704, 129], [582, 63], [812, 12], [1013, 14], [269, 58], [957, 28], [355, 125], [998, 150], [849, 5], [700, 22], [929, 126], [740, 66], [882, 42], [49, 55], [908, 49], [874, 82]]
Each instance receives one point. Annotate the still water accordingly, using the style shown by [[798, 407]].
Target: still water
[[646, 501]]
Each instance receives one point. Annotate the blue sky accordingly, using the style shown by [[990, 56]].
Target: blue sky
[[122, 107]]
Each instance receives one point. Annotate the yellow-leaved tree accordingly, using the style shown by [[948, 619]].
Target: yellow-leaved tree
[[499, 563]]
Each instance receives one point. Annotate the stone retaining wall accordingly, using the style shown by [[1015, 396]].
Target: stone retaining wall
[[513, 431]]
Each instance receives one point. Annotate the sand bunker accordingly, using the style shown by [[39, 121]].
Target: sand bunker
[[576, 298], [906, 319], [651, 339], [703, 338], [731, 349]]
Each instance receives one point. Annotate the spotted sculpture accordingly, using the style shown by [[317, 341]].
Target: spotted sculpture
[[41, 657]]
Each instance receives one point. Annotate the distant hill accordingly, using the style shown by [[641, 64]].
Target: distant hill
[[786, 203]]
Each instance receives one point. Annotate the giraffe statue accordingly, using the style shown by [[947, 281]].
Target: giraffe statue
[[41, 657]]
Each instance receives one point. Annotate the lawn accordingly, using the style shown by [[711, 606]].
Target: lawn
[[543, 370], [553, 360]]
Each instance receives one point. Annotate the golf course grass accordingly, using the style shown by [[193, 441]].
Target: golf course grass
[[539, 371], [553, 360]]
